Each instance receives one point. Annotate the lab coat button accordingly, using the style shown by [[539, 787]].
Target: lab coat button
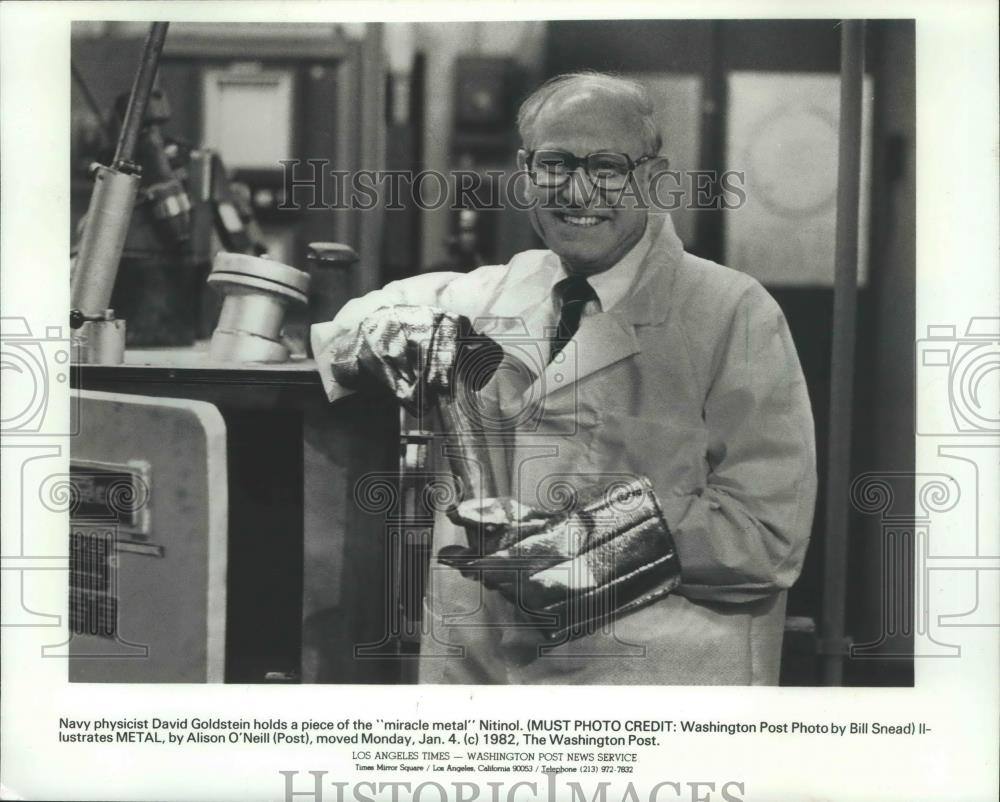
[[714, 505]]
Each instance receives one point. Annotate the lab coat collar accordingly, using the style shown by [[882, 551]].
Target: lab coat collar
[[603, 338], [645, 304], [612, 286], [531, 281]]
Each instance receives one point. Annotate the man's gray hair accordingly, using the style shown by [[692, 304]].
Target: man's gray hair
[[632, 92]]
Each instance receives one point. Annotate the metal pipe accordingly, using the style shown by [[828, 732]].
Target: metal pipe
[[371, 154], [92, 276], [139, 96], [832, 644], [113, 199]]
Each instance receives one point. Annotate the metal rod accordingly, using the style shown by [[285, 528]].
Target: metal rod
[[92, 278], [371, 154], [139, 97], [852, 46]]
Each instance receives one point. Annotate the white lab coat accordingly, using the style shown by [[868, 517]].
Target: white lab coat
[[692, 380]]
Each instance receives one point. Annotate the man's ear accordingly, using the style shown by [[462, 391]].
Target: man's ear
[[522, 159], [653, 168]]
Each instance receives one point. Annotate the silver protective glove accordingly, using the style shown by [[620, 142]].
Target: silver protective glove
[[415, 352], [610, 555]]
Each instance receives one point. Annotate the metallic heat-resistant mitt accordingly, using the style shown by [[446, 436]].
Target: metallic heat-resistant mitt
[[415, 351], [610, 555]]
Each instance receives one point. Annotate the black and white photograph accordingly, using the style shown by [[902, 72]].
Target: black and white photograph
[[621, 382], [394, 355]]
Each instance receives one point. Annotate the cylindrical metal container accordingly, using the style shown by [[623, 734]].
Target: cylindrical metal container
[[257, 294]]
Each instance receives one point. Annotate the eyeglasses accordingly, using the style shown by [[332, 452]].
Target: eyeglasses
[[551, 169]]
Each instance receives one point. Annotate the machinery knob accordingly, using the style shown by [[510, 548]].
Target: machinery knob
[[332, 254], [77, 317]]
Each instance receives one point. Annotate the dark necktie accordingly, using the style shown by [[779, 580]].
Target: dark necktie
[[574, 293]]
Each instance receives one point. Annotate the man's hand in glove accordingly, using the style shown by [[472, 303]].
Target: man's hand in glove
[[612, 554], [412, 350]]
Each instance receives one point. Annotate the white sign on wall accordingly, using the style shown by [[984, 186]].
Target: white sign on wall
[[248, 116], [782, 131]]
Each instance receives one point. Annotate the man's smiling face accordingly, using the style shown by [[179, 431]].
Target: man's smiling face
[[586, 226]]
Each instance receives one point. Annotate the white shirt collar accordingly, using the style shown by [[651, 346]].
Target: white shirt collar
[[613, 284]]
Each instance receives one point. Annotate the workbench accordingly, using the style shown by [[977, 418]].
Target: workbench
[[306, 568]]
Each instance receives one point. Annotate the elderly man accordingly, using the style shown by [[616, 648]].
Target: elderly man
[[655, 370]]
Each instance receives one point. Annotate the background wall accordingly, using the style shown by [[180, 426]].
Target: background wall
[[442, 44]]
